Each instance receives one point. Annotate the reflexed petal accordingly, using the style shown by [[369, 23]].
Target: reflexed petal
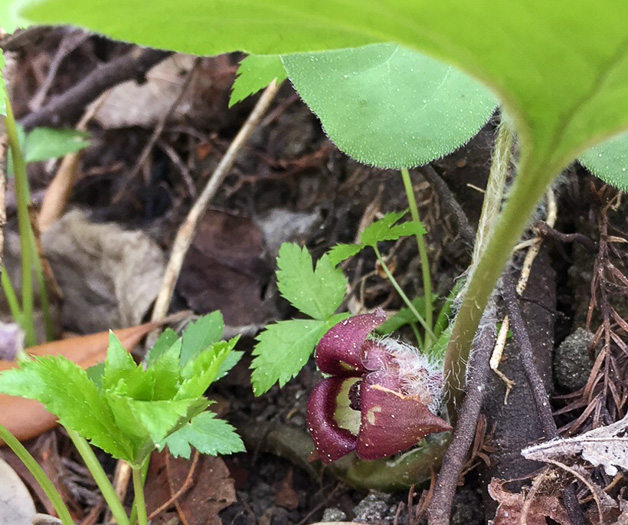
[[392, 422], [339, 352], [331, 441]]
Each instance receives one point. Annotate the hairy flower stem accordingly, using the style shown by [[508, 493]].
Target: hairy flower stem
[[425, 265], [101, 479], [404, 297], [528, 188], [39, 475]]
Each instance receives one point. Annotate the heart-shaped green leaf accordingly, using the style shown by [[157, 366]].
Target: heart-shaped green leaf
[[388, 106]]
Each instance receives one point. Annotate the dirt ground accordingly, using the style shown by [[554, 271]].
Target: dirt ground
[[289, 183]]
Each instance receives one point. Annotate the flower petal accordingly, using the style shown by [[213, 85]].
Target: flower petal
[[330, 440], [392, 422], [339, 352]]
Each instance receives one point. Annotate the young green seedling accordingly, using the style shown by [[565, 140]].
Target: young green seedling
[[129, 411]]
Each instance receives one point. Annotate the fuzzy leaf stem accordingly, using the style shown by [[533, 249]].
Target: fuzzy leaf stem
[[530, 184]]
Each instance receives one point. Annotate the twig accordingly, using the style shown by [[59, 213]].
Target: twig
[[189, 479], [520, 334], [186, 231], [547, 231], [71, 40], [135, 64], [156, 132], [60, 188], [539, 394], [439, 510], [465, 229]]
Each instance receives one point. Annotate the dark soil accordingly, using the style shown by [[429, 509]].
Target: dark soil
[[291, 184]]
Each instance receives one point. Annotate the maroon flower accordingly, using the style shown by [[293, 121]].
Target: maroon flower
[[380, 397]]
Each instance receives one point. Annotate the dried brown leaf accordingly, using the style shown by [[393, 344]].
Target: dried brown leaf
[[542, 506]]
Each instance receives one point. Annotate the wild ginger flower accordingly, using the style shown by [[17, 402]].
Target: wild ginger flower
[[379, 398]]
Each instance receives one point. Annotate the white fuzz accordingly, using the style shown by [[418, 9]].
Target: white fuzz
[[419, 376]]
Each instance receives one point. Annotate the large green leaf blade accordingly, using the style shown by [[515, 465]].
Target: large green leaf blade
[[562, 73], [388, 106]]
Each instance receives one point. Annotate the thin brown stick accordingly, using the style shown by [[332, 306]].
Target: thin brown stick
[[186, 231], [157, 132], [539, 394], [72, 39], [439, 510], [60, 188], [465, 230], [180, 491], [135, 64]]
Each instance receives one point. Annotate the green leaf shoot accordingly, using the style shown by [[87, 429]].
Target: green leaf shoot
[[121, 407], [315, 292], [207, 434], [200, 334], [255, 72], [385, 105], [66, 391]]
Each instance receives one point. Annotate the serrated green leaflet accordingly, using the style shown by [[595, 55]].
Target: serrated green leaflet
[[120, 369], [282, 350], [341, 252], [66, 391], [203, 369], [315, 292], [561, 73], [609, 161], [207, 434], [385, 229], [388, 106], [167, 338], [201, 334], [255, 72]]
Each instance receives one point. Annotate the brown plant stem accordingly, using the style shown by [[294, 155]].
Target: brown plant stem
[[439, 511], [134, 65]]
